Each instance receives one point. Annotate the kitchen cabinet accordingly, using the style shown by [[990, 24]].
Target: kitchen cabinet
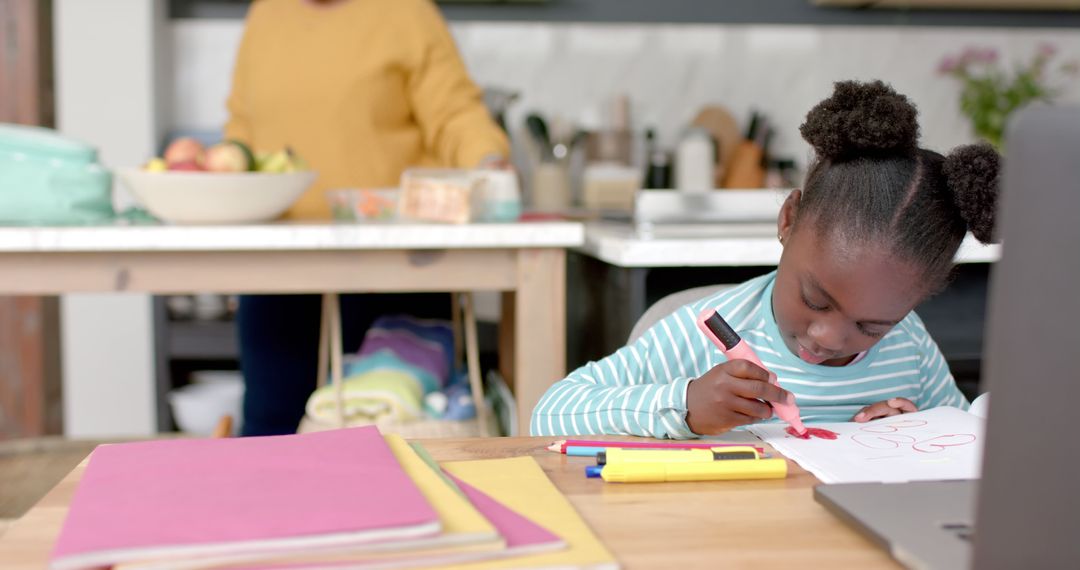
[[186, 345]]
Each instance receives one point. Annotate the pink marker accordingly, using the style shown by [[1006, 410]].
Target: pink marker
[[733, 346]]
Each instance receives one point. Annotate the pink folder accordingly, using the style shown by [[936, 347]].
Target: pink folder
[[521, 535], [179, 498]]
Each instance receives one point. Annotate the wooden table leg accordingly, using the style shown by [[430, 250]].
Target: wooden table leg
[[539, 316], [507, 336]]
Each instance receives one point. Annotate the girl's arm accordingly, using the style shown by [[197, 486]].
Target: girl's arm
[[938, 386], [639, 390]]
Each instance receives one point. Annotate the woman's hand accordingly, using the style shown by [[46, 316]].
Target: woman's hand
[[890, 407], [731, 395]]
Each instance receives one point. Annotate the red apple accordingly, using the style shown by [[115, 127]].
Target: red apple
[[184, 150], [189, 166]]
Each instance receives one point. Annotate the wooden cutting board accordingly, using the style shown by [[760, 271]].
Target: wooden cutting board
[[725, 131]]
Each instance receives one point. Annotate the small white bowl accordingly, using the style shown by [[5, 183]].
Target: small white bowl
[[199, 406], [216, 197]]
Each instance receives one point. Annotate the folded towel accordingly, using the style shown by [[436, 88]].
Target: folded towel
[[410, 348], [389, 360], [433, 330], [371, 397]]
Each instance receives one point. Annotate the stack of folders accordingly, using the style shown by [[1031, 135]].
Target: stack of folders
[[337, 499]]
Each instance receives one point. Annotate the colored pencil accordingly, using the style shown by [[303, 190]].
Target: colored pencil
[[562, 445]]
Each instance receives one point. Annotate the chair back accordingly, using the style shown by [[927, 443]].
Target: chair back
[[669, 304]]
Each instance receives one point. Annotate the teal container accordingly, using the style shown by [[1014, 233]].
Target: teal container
[[49, 179]]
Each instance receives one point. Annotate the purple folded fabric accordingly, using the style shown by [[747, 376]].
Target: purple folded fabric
[[409, 347], [436, 330]]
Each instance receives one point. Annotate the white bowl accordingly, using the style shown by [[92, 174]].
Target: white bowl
[[216, 197], [199, 406]]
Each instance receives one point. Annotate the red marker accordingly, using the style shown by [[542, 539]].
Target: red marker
[[734, 347], [562, 445]]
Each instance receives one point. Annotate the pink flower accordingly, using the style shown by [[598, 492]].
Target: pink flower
[[1047, 50], [948, 65], [969, 55], [986, 55], [977, 55]]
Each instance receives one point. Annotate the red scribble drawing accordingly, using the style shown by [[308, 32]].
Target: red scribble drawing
[[893, 426], [939, 443], [891, 441], [819, 433]]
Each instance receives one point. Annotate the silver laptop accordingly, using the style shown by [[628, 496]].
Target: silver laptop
[[1025, 511]]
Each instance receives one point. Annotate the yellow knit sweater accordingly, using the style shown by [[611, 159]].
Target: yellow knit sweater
[[361, 89]]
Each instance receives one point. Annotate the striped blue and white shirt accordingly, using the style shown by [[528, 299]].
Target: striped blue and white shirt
[[641, 389]]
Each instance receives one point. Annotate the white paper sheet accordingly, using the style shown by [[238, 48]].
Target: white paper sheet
[[938, 444]]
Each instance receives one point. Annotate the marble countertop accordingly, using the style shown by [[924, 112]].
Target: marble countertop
[[715, 245], [289, 236]]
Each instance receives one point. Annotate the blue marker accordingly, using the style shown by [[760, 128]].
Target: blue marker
[[593, 471], [575, 451]]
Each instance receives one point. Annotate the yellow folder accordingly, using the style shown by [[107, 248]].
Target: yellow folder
[[520, 484]]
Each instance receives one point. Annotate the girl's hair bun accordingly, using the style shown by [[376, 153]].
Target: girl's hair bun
[[972, 174], [862, 120]]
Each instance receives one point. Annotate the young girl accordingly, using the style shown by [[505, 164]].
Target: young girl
[[871, 234]]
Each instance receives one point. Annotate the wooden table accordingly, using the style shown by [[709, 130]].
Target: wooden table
[[525, 261], [734, 524]]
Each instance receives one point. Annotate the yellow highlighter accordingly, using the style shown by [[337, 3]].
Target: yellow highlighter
[[694, 471], [632, 455]]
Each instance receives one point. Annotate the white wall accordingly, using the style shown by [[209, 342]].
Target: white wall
[[669, 71], [107, 366], [109, 94]]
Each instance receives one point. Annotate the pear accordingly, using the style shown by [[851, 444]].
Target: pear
[[276, 162], [156, 165], [259, 162], [297, 163], [284, 160]]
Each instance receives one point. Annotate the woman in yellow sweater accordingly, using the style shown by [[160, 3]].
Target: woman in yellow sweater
[[362, 89]]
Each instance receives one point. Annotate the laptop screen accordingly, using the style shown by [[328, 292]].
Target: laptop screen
[[1028, 511]]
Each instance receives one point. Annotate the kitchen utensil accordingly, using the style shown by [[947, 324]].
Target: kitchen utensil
[[726, 134], [695, 161], [539, 130], [497, 100]]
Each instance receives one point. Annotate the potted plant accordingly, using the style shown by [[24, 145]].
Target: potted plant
[[990, 93]]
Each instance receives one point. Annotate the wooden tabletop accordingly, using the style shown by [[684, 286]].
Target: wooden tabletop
[[732, 524]]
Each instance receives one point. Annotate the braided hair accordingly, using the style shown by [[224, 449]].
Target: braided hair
[[870, 181]]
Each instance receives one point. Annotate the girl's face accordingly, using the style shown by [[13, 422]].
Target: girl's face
[[834, 299]]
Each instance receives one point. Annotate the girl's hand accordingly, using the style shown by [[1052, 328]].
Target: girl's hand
[[730, 395], [890, 407]]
